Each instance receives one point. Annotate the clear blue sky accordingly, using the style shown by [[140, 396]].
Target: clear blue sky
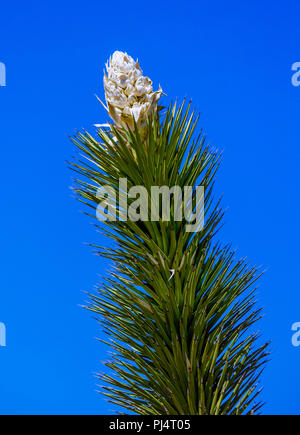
[[234, 59]]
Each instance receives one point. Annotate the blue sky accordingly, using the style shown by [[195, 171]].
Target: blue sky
[[234, 60]]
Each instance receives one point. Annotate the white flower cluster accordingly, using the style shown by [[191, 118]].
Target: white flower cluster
[[129, 95]]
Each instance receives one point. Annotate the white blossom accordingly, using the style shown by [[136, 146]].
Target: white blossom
[[129, 95]]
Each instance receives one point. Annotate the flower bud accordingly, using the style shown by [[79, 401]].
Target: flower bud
[[129, 95]]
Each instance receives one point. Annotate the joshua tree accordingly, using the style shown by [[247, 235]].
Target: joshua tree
[[179, 309]]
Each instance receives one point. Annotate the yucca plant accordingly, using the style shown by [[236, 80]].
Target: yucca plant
[[179, 309]]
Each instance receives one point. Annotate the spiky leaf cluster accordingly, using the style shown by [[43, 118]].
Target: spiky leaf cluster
[[183, 345]]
